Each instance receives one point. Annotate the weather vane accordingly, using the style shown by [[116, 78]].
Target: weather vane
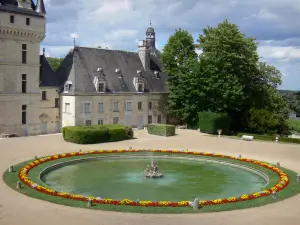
[[150, 23], [74, 39]]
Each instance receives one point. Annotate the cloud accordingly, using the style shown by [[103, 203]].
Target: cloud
[[119, 24]]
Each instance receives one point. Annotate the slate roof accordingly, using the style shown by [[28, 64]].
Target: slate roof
[[81, 64], [48, 78], [11, 6]]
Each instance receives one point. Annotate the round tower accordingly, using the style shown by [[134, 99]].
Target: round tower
[[150, 36]]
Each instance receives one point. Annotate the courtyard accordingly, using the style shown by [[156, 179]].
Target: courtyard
[[17, 208]]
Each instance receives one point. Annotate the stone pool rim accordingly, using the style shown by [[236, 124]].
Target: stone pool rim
[[283, 181]]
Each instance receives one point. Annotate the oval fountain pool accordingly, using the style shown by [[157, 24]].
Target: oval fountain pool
[[124, 178]]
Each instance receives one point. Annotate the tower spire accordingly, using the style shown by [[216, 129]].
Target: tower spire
[[150, 23], [40, 7]]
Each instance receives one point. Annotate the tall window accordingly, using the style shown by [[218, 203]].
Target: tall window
[[100, 121], [100, 107], [24, 53], [67, 107], [116, 107], [24, 114], [128, 106], [12, 18], [115, 120], [149, 119], [101, 87], [27, 21], [44, 95], [87, 107], [24, 83], [140, 106], [159, 119], [56, 103], [150, 105], [88, 123]]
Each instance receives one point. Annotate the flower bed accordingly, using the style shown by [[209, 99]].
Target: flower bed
[[283, 181]]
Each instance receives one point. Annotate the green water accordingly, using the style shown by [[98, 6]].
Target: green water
[[183, 180]]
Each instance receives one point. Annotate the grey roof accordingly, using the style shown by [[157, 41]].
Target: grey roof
[[12, 7], [48, 78], [150, 30], [81, 64], [40, 7]]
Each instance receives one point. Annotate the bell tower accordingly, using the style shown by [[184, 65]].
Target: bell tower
[[150, 36]]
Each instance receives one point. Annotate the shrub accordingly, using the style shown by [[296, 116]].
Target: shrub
[[210, 122], [97, 134], [265, 137], [294, 124], [161, 129]]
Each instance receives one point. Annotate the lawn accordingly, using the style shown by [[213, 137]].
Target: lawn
[[292, 189], [294, 125]]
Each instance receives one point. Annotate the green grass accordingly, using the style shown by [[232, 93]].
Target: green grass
[[294, 125], [292, 189]]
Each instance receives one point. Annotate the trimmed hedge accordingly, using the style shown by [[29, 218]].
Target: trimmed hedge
[[161, 129], [97, 134], [210, 122], [265, 137]]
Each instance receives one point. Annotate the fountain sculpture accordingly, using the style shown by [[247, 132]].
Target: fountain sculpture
[[152, 171]]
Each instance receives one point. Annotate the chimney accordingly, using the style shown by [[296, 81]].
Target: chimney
[[144, 54]]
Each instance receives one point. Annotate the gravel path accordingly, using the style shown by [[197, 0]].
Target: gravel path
[[17, 209]]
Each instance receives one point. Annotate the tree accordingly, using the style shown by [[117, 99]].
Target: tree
[[292, 101], [54, 62], [179, 59], [235, 79]]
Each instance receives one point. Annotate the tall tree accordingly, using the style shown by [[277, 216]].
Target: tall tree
[[236, 80], [54, 62], [179, 59]]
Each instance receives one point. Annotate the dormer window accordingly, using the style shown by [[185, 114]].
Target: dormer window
[[156, 73], [99, 81], [139, 82], [68, 85], [118, 71]]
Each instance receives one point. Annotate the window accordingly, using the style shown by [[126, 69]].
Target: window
[[24, 83], [140, 106], [100, 107], [28, 21], [44, 95], [24, 53], [87, 107], [116, 107], [149, 119], [24, 114], [100, 121], [101, 87], [140, 88], [12, 18], [159, 119], [150, 105], [56, 103], [115, 120], [88, 123], [128, 106], [67, 107]]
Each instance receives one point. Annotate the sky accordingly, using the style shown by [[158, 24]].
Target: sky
[[119, 24]]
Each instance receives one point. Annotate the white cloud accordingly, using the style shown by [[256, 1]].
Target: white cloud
[[279, 52]]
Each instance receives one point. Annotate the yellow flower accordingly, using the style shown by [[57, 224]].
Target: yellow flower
[[256, 194], [231, 199], [244, 196], [202, 202], [217, 201]]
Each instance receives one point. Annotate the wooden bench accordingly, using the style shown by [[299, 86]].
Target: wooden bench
[[247, 138]]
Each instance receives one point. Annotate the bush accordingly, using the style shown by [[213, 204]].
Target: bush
[[210, 122], [265, 137], [96, 134], [294, 124], [161, 129]]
